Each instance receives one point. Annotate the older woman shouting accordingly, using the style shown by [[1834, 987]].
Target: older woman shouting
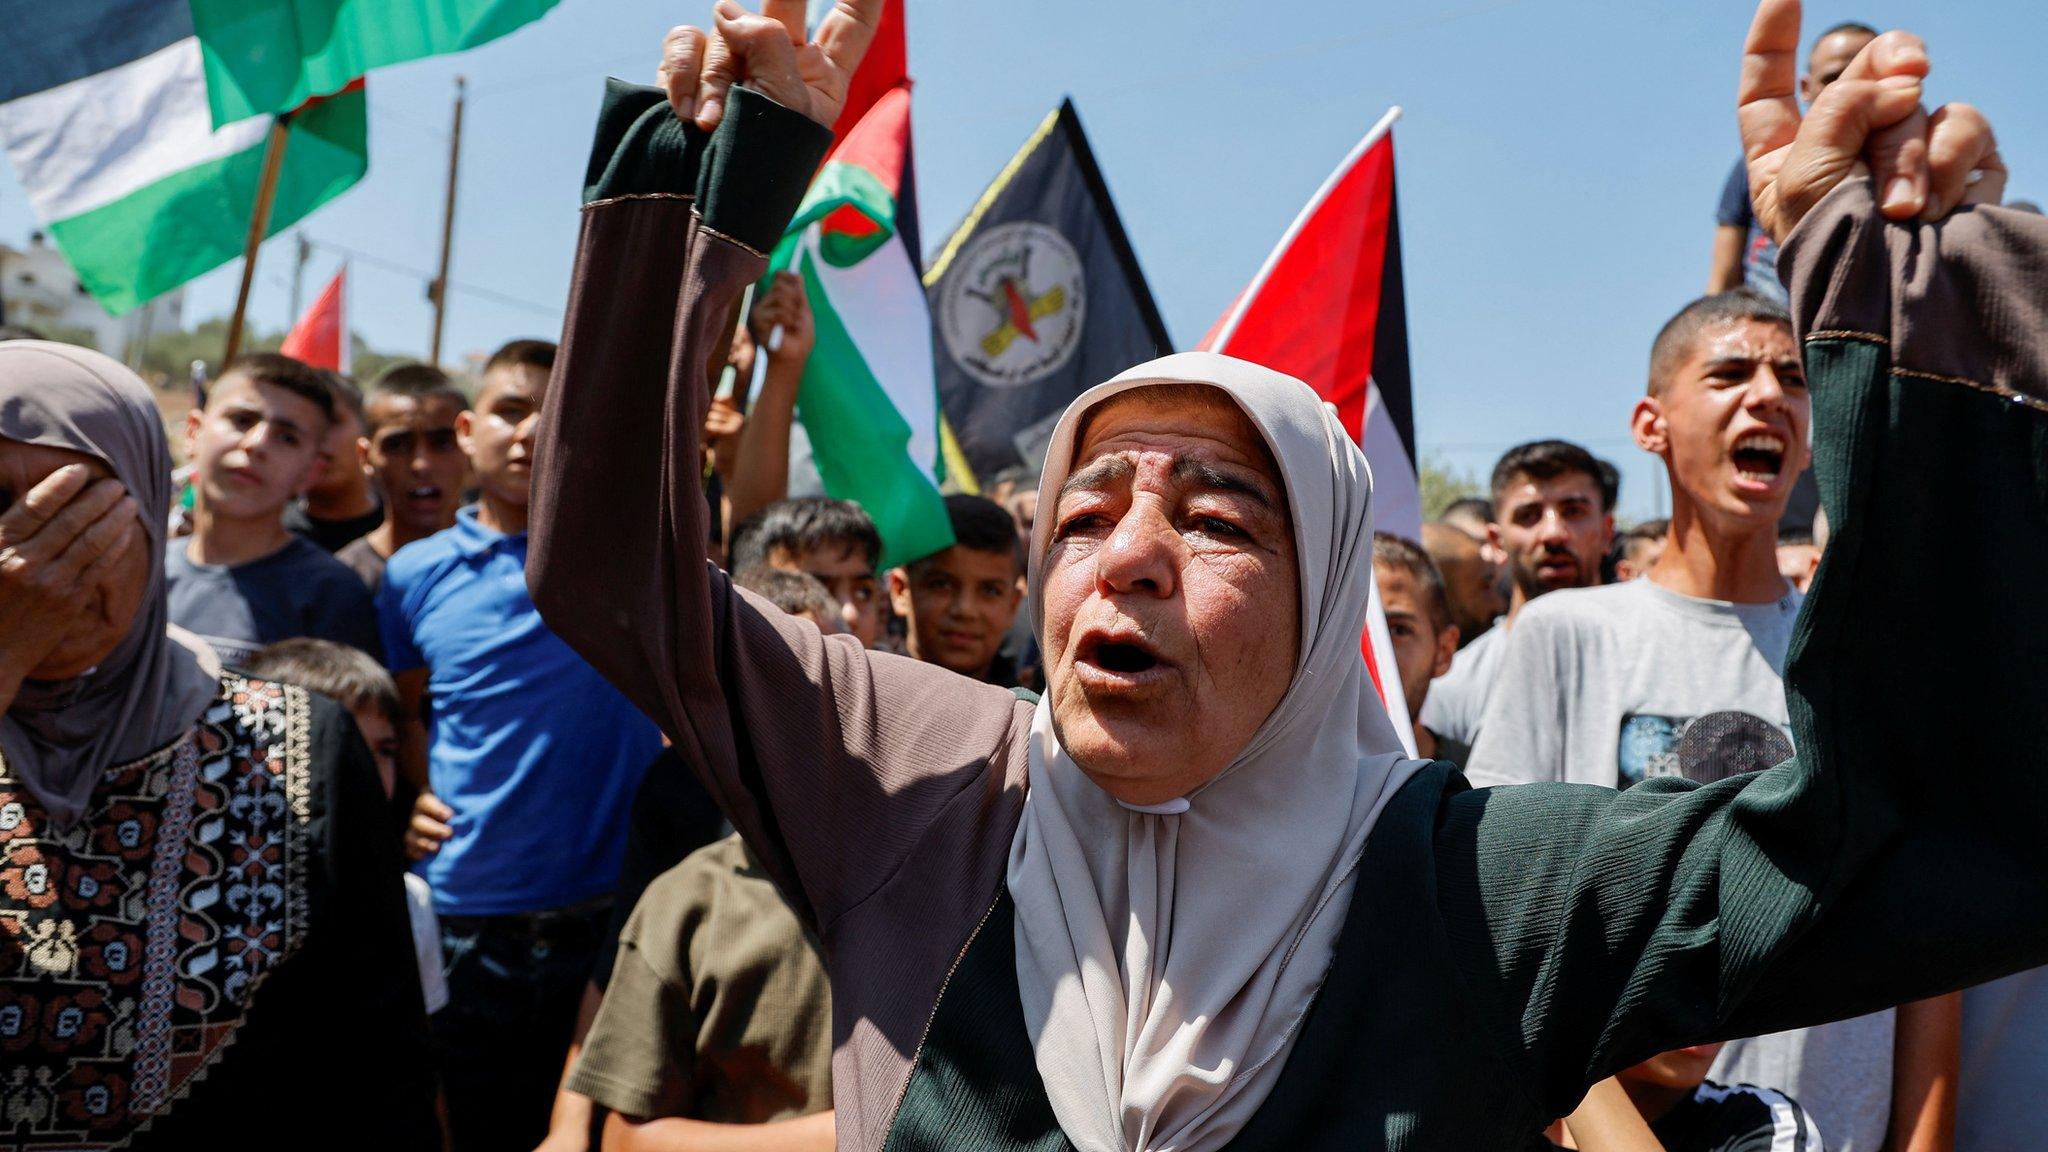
[[1196, 898], [203, 939]]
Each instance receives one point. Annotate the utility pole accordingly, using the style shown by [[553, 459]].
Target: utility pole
[[304, 253], [438, 290]]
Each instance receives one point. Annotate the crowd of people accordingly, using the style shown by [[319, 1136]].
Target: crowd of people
[[411, 773]]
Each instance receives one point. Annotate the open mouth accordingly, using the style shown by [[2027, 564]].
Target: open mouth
[[1118, 657], [1759, 457], [424, 494]]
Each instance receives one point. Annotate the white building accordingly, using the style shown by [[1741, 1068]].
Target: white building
[[39, 290]]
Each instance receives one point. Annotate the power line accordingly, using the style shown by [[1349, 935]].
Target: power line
[[427, 277]]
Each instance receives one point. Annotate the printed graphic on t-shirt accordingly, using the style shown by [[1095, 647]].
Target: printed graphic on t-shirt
[[1703, 748]]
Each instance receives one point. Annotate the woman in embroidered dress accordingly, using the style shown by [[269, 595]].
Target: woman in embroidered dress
[[203, 937]]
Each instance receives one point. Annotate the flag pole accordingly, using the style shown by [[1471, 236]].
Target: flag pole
[[439, 289], [259, 226]]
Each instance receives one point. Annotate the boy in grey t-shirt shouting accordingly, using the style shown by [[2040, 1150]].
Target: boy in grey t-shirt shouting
[[1679, 673]]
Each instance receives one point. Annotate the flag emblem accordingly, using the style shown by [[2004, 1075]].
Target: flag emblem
[[1014, 313]]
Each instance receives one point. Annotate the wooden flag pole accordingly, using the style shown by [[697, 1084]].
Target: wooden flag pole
[[439, 289], [259, 226]]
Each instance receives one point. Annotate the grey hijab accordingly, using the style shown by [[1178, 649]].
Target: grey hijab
[[59, 737]]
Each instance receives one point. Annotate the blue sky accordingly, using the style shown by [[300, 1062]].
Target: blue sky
[[1559, 163]]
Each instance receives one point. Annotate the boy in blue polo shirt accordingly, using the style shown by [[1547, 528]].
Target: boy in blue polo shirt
[[532, 765]]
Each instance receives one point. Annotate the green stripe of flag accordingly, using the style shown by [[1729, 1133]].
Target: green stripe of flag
[[860, 441], [133, 249], [267, 56]]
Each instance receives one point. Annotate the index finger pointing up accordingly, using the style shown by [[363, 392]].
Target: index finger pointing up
[[1767, 99], [844, 33]]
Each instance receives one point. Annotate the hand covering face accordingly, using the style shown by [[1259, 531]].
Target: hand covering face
[[1166, 959], [59, 737]]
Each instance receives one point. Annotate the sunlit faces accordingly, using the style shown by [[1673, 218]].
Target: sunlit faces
[[848, 574], [958, 605], [116, 594], [498, 435], [1554, 531], [413, 451], [1730, 421], [1423, 645], [1170, 594], [255, 446]]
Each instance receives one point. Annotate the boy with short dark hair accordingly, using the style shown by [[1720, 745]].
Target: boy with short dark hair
[[833, 540], [410, 446], [959, 602], [531, 769], [242, 580], [342, 504], [1419, 624]]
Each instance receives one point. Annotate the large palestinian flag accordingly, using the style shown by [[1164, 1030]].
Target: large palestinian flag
[[867, 402], [1035, 298], [103, 112], [1326, 307]]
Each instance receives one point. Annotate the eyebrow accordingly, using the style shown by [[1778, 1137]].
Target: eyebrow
[[1195, 473], [1097, 476]]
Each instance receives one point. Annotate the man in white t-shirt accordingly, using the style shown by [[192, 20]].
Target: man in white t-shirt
[[1553, 520], [1678, 673]]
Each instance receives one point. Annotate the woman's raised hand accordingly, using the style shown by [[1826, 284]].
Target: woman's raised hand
[[1870, 120], [769, 52], [56, 544]]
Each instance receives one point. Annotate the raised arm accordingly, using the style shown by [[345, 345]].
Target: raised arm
[[829, 761], [1902, 854]]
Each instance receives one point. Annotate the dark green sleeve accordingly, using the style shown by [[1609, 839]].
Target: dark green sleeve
[[1904, 852]]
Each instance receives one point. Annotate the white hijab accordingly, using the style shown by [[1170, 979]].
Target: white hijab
[[1167, 959]]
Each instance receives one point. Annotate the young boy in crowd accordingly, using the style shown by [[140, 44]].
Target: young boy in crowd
[[342, 503], [242, 580], [410, 447], [1678, 673], [531, 769], [652, 1065], [361, 685], [832, 540], [959, 602], [1637, 549], [1419, 623], [1667, 1104]]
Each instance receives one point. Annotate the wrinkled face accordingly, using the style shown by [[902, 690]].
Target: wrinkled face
[[256, 446], [1423, 647], [848, 575], [1554, 532], [1170, 593], [382, 737], [116, 593], [958, 604], [414, 453], [498, 436], [1730, 423], [1681, 1068]]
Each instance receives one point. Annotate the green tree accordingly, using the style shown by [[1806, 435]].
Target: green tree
[[1443, 483]]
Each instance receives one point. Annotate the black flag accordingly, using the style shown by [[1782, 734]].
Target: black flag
[[1035, 298]]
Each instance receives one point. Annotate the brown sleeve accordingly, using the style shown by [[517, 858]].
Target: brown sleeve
[[829, 760]]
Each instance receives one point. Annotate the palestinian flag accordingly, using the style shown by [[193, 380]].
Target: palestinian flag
[[104, 114], [1035, 298], [867, 401], [320, 338], [274, 55], [1327, 308]]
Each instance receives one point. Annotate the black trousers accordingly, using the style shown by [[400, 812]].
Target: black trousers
[[514, 984]]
